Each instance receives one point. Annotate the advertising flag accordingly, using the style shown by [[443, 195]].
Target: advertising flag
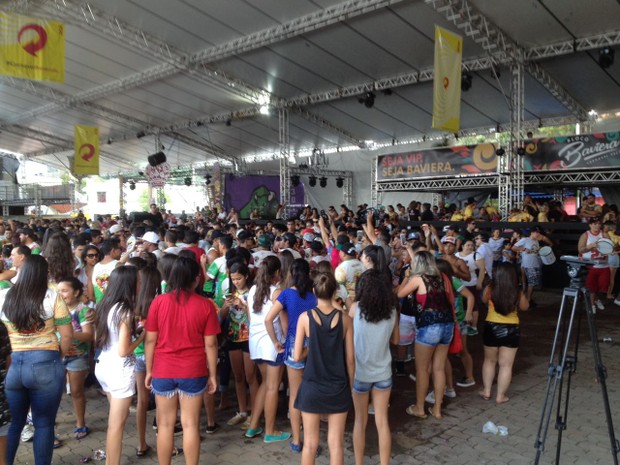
[[86, 159], [32, 48], [447, 81]]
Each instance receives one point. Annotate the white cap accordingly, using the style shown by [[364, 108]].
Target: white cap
[[151, 237], [115, 228]]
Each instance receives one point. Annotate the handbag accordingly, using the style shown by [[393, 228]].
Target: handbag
[[456, 346]]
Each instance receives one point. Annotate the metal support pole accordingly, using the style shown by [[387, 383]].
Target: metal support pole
[[37, 199], [374, 191], [121, 196], [437, 199], [347, 192], [285, 180], [517, 96]]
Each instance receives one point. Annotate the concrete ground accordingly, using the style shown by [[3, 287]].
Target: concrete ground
[[457, 439]]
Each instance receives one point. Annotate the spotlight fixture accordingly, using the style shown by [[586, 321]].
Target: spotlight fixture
[[520, 151], [323, 181], [500, 152], [208, 179], [228, 122], [339, 182], [303, 166], [188, 181], [387, 91], [132, 185], [606, 57], [368, 99], [109, 141], [157, 158], [294, 180], [466, 79], [140, 173], [312, 180], [140, 134], [199, 123]]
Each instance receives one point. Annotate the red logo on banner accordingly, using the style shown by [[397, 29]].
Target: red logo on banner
[[89, 152], [33, 46]]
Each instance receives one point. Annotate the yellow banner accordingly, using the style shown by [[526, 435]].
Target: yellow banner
[[86, 159], [32, 48], [447, 81]]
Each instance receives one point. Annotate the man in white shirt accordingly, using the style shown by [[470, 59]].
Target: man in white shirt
[[349, 270], [530, 260], [150, 243], [263, 250]]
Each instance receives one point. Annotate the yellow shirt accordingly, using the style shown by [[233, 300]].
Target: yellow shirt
[[493, 317]]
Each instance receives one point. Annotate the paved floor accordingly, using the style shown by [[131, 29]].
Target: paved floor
[[457, 439]]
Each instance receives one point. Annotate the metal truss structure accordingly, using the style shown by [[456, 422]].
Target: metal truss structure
[[347, 176], [285, 148]]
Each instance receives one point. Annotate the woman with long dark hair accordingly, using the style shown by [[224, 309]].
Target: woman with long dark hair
[[59, 257], [181, 358], [294, 301], [501, 330], [115, 370], [33, 315], [90, 257], [375, 325], [149, 287], [263, 351]]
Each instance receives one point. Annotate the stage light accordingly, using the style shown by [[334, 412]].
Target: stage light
[[208, 179], [500, 152], [228, 122], [294, 180], [368, 99], [188, 181], [140, 134], [520, 151], [606, 57], [339, 182], [312, 181], [323, 181], [466, 79], [157, 158], [132, 185]]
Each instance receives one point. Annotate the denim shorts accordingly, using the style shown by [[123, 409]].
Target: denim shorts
[[278, 362], [434, 335], [140, 363], [78, 363], [362, 387], [170, 387], [291, 363], [4, 430]]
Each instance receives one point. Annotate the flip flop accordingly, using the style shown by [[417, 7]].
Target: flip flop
[[411, 411], [57, 443], [481, 394], [81, 433], [142, 453], [177, 451], [430, 412]]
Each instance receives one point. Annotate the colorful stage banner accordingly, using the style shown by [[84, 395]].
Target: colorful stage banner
[[246, 193], [447, 80], [86, 158], [587, 151], [32, 48], [440, 162]]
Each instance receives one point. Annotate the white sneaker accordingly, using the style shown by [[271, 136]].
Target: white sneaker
[[430, 397], [617, 302], [371, 410], [599, 305], [450, 393], [238, 418], [246, 424], [27, 433]]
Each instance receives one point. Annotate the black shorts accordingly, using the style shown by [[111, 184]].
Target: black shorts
[[501, 335], [243, 346]]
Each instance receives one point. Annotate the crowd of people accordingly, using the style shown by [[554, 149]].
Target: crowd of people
[[176, 308]]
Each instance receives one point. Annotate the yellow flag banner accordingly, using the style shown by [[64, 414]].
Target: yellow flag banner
[[32, 48], [447, 81], [86, 159]]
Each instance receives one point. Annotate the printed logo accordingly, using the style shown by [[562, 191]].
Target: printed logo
[[36, 43]]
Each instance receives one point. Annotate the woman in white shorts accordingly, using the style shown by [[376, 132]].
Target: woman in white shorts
[[115, 370]]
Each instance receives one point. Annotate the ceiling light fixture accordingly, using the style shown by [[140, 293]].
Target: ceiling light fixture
[[606, 57], [368, 99], [500, 152], [312, 181], [323, 181], [339, 182], [188, 181], [295, 180], [466, 79]]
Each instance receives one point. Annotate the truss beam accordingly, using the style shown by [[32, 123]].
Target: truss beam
[[606, 39], [493, 40], [285, 148]]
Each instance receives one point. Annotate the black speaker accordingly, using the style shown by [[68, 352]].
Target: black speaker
[[157, 158]]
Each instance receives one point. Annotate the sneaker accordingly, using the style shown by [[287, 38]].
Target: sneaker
[[465, 383], [238, 418], [212, 429], [472, 331], [599, 305], [412, 377], [430, 397], [268, 439], [617, 302], [252, 433], [246, 423], [450, 393], [371, 410], [27, 433]]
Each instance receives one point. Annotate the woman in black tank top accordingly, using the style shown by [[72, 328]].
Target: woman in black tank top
[[330, 366]]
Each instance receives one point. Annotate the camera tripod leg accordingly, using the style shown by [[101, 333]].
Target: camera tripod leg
[[555, 372], [601, 374]]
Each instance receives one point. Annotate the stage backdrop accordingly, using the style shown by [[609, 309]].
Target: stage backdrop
[[588, 151], [246, 193]]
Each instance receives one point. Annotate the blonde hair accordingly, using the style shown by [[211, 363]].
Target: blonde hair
[[424, 264]]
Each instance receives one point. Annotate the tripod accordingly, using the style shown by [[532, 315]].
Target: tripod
[[567, 363]]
